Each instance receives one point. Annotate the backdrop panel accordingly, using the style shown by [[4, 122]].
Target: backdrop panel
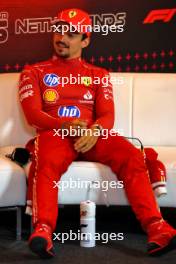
[[147, 44]]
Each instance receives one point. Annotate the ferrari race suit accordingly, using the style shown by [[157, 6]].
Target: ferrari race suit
[[156, 172], [47, 103]]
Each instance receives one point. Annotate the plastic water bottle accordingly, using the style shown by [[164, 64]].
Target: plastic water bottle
[[87, 223]]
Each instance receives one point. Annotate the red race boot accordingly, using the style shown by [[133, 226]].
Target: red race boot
[[40, 242], [161, 238]]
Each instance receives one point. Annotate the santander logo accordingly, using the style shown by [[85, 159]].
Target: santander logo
[[88, 96]]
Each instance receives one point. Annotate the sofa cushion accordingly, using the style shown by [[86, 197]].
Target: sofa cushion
[[8, 149], [12, 183], [154, 109], [13, 126], [85, 173], [122, 91], [82, 174]]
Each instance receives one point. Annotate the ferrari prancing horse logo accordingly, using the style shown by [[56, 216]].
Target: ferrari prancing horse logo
[[72, 14]]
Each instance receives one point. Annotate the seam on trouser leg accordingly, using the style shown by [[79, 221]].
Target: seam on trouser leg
[[34, 191]]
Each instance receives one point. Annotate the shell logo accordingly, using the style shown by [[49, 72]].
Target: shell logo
[[72, 14], [50, 96]]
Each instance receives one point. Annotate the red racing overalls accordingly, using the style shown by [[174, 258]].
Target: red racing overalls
[[47, 103]]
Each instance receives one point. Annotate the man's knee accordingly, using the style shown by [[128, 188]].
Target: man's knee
[[131, 150]]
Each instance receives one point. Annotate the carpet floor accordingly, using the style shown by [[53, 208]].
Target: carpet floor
[[130, 250]]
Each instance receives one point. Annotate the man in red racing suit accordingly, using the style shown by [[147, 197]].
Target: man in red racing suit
[[51, 103]]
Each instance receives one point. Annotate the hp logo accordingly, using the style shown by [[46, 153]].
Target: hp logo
[[51, 80], [69, 111]]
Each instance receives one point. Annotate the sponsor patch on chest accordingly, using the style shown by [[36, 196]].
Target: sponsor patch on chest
[[51, 79], [69, 111], [50, 96]]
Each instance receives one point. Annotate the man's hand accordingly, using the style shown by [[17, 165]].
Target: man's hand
[[86, 142], [76, 124]]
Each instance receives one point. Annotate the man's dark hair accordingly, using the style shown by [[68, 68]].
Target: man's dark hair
[[84, 36]]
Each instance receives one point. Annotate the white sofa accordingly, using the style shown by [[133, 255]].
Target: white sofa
[[145, 108]]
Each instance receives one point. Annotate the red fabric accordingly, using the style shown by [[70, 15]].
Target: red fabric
[[53, 155], [161, 234], [156, 169], [42, 97], [41, 241], [76, 17], [41, 102]]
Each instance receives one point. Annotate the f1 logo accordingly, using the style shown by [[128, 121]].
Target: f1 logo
[[164, 15]]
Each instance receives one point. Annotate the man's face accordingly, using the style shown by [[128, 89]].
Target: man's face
[[69, 45]]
